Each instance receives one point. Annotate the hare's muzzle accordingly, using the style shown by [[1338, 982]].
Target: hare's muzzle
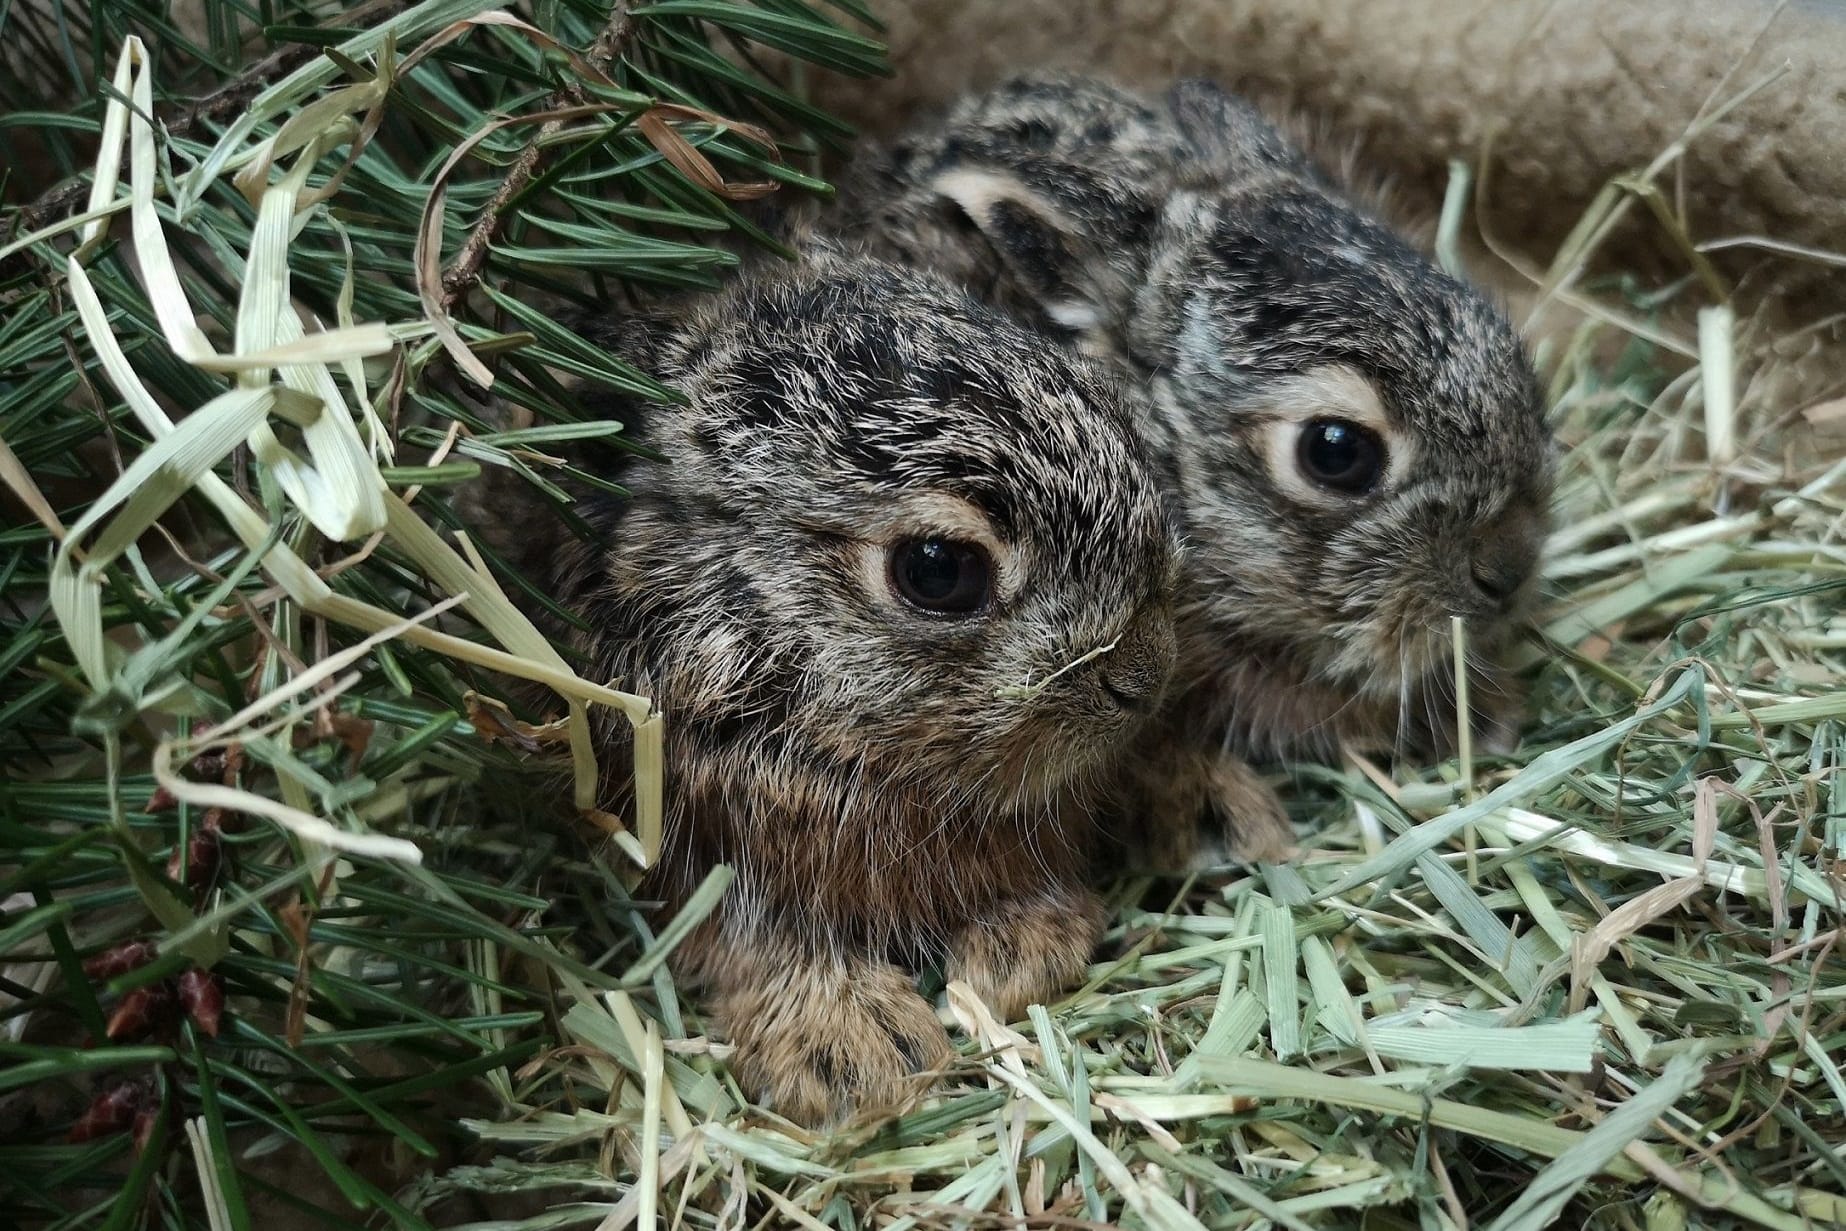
[[1135, 673], [1132, 692], [1504, 559]]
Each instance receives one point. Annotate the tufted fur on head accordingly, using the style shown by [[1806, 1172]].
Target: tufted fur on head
[[1189, 241], [894, 787]]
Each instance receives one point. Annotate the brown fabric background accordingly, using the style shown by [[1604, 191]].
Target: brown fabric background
[[1559, 95]]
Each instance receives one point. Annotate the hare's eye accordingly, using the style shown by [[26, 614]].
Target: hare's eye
[[941, 575], [1342, 455]]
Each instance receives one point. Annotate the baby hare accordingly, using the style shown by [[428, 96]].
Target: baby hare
[[1354, 439], [888, 523]]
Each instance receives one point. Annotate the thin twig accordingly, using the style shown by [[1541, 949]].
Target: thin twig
[[235, 95], [465, 269]]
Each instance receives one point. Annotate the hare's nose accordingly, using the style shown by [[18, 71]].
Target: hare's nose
[[1498, 578], [1503, 558], [1135, 691], [1135, 673]]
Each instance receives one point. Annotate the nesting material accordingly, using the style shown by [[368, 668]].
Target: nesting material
[[1597, 978]]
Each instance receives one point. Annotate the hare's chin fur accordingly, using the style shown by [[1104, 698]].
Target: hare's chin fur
[[1071, 761], [1358, 686], [1420, 651]]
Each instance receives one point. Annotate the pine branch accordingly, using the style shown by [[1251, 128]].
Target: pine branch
[[231, 97], [465, 268], [182, 121], [403, 969]]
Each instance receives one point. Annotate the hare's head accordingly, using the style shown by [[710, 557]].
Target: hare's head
[[893, 530], [1358, 439]]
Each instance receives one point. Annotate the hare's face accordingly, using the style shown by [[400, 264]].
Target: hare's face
[[997, 647], [938, 533], [1357, 439]]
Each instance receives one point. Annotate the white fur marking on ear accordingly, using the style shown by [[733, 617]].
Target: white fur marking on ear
[[1201, 350], [1073, 315], [1044, 272], [978, 192]]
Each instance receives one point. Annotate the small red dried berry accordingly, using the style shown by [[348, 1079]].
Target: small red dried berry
[[111, 1111], [141, 1010], [204, 849], [120, 960], [144, 1126], [201, 993]]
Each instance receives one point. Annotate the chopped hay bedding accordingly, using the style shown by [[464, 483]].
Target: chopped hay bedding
[[1594, 982]]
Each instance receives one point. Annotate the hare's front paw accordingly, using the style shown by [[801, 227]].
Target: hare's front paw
[[1212, 809], [818, 1042], [1247, 818], [1028, 950]]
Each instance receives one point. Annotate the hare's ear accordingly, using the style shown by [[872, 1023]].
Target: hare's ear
[[637, 338], [641, 340], [1038, 241], [1229, 134]]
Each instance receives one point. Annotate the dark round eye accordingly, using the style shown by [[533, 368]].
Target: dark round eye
[[941, 575], [1341, 455]]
